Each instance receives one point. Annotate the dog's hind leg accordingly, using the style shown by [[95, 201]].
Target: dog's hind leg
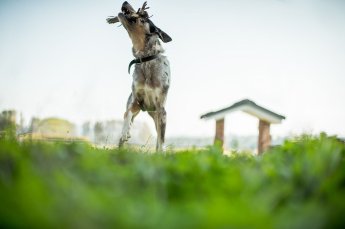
[[159, 118], [161, 132], [133, 110]]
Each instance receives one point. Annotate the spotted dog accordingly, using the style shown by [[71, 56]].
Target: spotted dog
[[151, 75]]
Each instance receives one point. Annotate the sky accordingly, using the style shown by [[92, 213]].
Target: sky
[[60, 58]]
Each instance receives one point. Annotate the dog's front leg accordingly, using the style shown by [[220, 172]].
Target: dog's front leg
[[126, 128], [132, 111]]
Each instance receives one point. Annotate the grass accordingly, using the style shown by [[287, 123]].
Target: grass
[[300, 184]]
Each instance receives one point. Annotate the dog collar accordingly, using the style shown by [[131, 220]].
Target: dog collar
[[141, 60]]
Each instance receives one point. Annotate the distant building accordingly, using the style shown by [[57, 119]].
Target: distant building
[[100, 133], [51, 129]]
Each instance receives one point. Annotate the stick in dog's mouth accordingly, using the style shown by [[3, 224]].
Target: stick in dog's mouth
[[112, 19]]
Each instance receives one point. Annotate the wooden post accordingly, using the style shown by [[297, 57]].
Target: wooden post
[[264, 140], [219, 137]]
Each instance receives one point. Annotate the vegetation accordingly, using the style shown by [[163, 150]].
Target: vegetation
[[300, 184]]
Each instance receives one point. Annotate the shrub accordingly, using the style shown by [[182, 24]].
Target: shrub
[[300, 184]]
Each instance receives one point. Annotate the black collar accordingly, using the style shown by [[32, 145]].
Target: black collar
[[141, 60]]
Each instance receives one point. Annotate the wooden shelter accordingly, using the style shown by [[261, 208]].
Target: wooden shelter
[[265, 116]]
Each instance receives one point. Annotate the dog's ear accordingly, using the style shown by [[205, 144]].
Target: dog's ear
[[161, 34]]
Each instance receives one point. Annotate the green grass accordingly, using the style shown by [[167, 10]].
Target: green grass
[[298, 185]]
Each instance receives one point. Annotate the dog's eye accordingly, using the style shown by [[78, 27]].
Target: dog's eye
[[133, 20]]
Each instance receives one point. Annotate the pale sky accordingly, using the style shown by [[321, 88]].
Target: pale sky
[[60, 58]]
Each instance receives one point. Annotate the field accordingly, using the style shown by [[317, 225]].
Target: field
[[300, 184]]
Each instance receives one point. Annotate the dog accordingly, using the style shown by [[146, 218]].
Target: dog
[[151, 76]]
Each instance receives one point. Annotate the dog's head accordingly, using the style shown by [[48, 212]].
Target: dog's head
[[138, 25]]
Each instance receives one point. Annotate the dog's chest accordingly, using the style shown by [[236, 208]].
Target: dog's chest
[[149, 98], [151, 83], [145, 90]]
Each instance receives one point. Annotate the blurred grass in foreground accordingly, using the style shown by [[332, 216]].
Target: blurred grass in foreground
[[298, 185]]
